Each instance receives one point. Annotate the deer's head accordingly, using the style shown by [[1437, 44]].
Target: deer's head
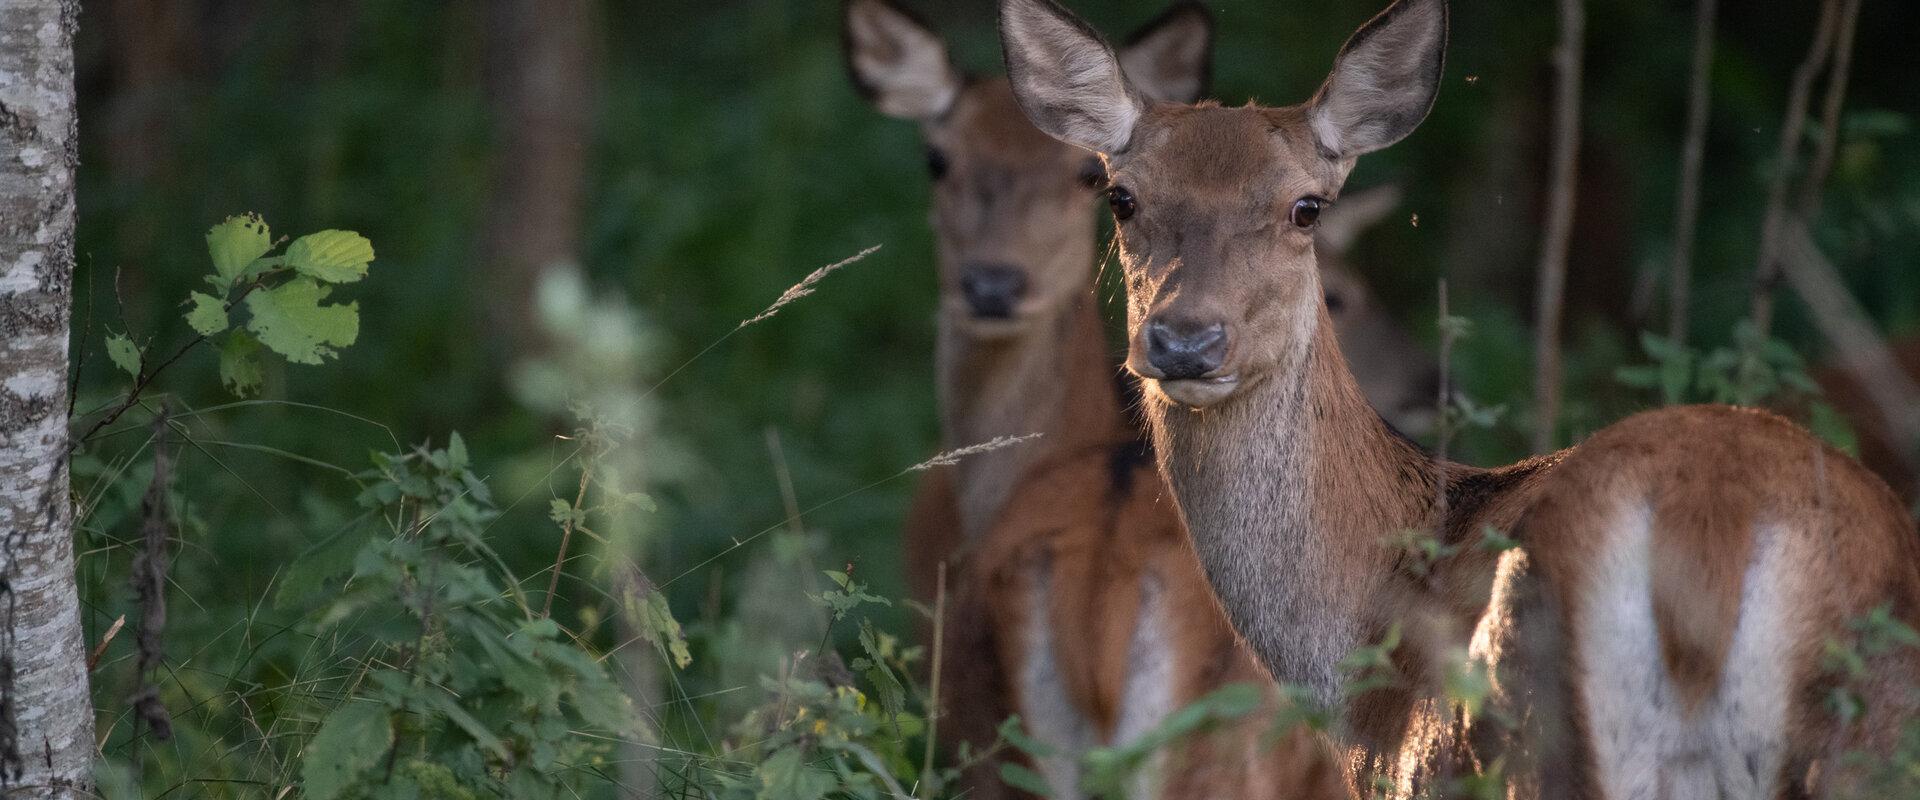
[[1217, 208], [1012, 207]]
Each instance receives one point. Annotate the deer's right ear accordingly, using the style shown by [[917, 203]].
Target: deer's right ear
[[1066, 77], [897, 63]]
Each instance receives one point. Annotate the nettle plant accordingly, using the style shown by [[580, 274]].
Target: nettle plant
[[1752, 370], [461, 683]]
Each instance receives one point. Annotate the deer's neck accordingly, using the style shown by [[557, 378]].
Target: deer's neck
[[1054, 378], [1292, 490]]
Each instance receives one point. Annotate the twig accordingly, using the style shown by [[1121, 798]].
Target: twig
[[1443, 408], [1692, 155], [789, 499], [1559, 222], [1815, 181], [146, 378], [1862, 352], [1766, 273], [566, 538], [100, 649], [927, 782]]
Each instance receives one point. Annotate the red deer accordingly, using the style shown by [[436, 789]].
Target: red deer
[[1659, 630], [1022, 348]]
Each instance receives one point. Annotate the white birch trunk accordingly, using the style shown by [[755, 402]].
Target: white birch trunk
[[46, 717]]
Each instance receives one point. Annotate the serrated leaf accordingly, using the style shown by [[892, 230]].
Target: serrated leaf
[[1020, 777], [457, 452], [235, 243], [352, 739], [209, 314], [290, 320], [331, 256], [450, 706], [124, 353], [657, 625], [240, 364]]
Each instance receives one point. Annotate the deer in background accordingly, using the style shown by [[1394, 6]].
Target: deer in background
[[1022, 349], [1658, 630]]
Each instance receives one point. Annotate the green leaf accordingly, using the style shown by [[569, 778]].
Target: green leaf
[[450, 706], [209, 314], [1015, 733], [1020, 777], [240, 364], [331, 256], [124, 353], [658, 626], [785, 776], [352, 739], [235, 243], [1831, 425], [290, 320], [457, 452]]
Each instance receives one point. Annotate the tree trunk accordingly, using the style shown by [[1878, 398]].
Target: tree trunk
[[540, 88], [1567, 58], [46, 717]]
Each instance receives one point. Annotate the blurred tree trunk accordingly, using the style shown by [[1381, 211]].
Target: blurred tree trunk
[[1559, 223], [46, 718], [540, 85], [149, 56]]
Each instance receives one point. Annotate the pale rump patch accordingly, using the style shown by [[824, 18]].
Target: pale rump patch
[[1152, 675], [1045, 701], [1645, 744]]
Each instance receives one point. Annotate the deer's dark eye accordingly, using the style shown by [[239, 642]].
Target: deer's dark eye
[[1122, 203], [1306, 211], [1336, 303], [936, 163], [1093, 174]]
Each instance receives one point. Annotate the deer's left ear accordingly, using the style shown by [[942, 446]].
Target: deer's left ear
[[1066, 78], [1170, 60], [1383, 81]]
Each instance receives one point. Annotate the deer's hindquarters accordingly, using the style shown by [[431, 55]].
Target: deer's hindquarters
[[1699, 562]]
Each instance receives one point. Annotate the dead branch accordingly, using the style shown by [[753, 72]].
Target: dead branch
[[150, 585], [1559, 222], [1686, 213], [1862, 352]]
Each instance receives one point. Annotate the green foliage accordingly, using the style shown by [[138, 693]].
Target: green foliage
[[352, 739], [209, 314], [331, 256], [1753, 370], [818, 735], [234, 246], [124, 353], [1750, 371], [240, 368], [290, 320], [657, 625], [497, 695]]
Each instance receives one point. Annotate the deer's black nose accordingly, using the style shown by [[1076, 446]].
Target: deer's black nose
[[993, 290], [1186, 348]]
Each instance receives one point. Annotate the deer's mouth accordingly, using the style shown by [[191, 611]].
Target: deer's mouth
[[1196, 392]]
